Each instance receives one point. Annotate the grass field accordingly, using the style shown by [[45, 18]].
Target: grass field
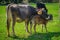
[[52, 26]]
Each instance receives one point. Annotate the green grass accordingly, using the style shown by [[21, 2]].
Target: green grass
[[52, 26]]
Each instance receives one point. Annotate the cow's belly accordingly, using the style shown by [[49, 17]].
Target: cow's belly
[[18, 20]]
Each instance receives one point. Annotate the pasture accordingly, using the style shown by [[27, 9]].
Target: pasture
[[52, 26]]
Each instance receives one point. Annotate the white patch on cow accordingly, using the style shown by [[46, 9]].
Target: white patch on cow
[[48, 17], [14, 5], [24, 5]]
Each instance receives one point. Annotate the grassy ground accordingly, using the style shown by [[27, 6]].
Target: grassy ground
[[52, 26]]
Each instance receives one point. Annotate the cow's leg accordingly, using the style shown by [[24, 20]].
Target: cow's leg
[[13, 24], [8, 26], [26, 24], [30, 27], [35, 27]]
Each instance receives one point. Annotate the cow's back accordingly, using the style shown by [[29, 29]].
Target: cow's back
[[22, 11], [27, 11]]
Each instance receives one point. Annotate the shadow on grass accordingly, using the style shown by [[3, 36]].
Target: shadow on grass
[[40, 36]]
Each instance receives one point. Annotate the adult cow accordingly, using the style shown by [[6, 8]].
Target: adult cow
[[19, 13]]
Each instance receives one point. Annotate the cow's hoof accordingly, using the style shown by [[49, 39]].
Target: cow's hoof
[[30, 32], [8, 35], [14, 36], [27, 31], [35, 32]]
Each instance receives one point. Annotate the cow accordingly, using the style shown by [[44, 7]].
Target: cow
[[38, 19], [19, 13]]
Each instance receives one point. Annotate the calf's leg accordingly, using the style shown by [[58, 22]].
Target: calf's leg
[[45, 27], [35, 27], [42, 27]]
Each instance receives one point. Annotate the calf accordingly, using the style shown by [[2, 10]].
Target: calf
[[37, 19]]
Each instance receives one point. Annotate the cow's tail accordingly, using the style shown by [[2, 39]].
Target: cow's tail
[[8, 19]]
